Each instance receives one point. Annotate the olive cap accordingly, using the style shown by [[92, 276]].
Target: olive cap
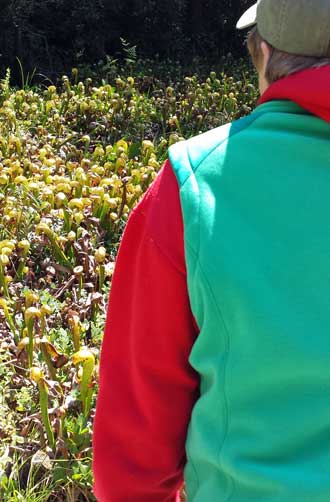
[[299, 27]]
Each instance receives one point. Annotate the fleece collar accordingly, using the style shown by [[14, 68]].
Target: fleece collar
[[308, 88]]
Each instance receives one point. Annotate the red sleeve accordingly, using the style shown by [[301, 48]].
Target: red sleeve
[[147, 387]]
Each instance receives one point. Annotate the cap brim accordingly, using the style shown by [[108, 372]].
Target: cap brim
[[248, 19]]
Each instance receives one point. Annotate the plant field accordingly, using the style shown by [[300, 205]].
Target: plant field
[[74, 160]]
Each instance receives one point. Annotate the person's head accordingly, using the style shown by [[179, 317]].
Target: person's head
[[287, 36]]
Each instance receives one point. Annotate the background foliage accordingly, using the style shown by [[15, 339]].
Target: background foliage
[[53, 35]]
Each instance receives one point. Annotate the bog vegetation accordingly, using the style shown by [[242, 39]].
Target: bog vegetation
[[74, 160]]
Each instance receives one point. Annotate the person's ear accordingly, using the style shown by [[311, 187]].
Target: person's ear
[[263, 82], [266, 52]]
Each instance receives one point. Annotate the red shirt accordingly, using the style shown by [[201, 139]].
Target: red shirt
[[147, 387]]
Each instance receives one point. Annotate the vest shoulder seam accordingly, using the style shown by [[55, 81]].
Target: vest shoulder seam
[[218, 145]]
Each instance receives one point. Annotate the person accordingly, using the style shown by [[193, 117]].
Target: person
[[215, 362]]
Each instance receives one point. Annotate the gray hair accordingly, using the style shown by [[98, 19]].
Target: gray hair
[[280, 64]]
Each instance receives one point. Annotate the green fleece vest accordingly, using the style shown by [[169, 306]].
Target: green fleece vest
[[255, 197]]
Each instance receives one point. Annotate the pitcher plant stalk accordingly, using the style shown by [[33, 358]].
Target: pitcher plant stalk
[[24, 246], [87, 359], [30, 315], [99, 256], [75, 326], [4, 260], [37, 376], [9, 319]]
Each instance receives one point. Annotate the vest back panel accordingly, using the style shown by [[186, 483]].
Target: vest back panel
[[255, 198]]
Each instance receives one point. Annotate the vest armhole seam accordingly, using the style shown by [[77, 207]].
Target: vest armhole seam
[[227, 351]]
